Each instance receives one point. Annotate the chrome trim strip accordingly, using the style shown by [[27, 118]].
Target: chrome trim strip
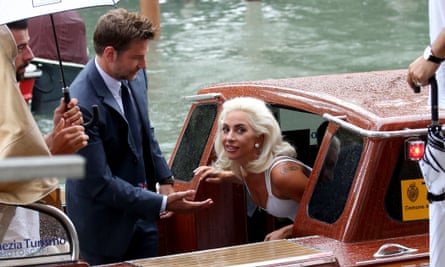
[[202, 97], [374, 134]]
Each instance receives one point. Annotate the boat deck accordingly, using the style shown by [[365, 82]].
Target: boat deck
[[273, 253]]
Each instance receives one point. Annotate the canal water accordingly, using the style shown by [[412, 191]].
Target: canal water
[[204, 42]]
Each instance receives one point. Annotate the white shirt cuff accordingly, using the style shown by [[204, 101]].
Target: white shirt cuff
[[164, 204]]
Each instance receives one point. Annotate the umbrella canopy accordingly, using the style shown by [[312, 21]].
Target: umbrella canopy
[[71, 35], [23, 9]]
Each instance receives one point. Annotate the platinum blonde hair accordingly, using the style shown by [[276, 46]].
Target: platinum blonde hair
[[262, 121]]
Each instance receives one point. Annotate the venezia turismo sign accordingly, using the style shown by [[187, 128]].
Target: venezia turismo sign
[[26, 247]]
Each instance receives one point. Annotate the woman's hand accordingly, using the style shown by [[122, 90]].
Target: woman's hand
[[282, 233], [212, 175]]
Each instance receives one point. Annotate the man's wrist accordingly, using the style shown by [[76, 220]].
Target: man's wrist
[[49, 140], [429, 55], [168, 180]]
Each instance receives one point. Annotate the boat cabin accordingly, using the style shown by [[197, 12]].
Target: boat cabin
[[372, 198]]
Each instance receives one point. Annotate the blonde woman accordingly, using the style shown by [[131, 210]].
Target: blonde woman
[[251, 151]]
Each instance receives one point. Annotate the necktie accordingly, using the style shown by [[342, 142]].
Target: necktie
[[131, 115]]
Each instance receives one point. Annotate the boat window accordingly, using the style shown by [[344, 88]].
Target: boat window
[[406, 183], [194, 141], [30, 236], [335, 177], [299, 128]]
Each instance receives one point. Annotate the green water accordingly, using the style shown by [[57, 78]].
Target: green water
[[211, 41]]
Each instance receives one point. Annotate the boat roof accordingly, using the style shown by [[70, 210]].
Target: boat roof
[[376, 98]]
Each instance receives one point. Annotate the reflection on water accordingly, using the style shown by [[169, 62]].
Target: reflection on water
[[210, 41]]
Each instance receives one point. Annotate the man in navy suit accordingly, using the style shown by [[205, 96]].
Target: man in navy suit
[[115, 208]]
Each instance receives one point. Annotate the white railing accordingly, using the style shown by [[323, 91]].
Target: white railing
[[26, 168]]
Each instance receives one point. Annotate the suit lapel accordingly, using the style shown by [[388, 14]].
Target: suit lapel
[[102, 90], [108, 100]]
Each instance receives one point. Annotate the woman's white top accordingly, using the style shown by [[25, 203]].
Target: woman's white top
[[281, 208]]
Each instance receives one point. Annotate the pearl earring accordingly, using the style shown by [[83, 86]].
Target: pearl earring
[[257, 145]]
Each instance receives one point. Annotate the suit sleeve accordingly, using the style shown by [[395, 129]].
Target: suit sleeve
[[111, 190], [161, 168]]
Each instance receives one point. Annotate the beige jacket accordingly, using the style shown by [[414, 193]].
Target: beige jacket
[[19, 133]]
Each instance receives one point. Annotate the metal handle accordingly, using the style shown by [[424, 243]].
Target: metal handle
[[392, 250], [94, 119]]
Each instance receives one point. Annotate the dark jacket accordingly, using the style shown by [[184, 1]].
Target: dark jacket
[[105, 205]]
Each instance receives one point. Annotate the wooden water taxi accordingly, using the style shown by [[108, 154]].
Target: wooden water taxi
[[374, 211]]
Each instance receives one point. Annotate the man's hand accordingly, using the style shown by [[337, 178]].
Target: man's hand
[[419, 71], [182, 202], [68, 136], [66, 140], [71, 113]]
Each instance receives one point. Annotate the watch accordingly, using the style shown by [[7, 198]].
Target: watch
[[428, 55]]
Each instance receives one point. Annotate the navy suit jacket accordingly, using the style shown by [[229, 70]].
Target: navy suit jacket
[[105, 205]]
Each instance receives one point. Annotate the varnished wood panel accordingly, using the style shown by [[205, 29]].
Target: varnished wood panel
[[273, 253]]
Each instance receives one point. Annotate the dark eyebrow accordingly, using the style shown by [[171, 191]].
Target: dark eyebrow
[[236, 125], [240, 125]]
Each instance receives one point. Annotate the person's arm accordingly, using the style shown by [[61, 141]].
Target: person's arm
[[288, 180], [161, 168], [421, 69], [438, 46], [105, 186]]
